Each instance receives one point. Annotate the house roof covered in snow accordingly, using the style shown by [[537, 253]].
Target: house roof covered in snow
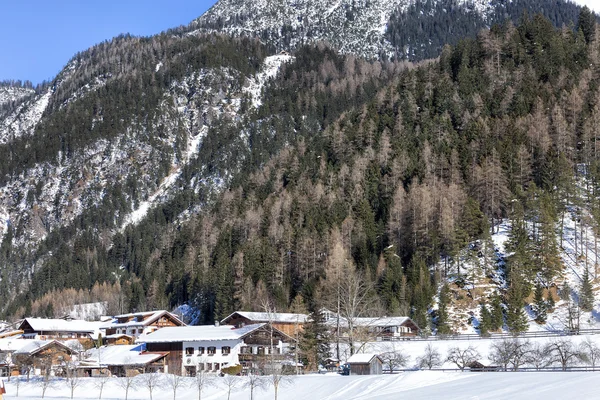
[[60, 325], [198, 333], [289, 318], [139, 319], [120, 356], [382, 321], [362, 358], [15, 344], [36, 346]]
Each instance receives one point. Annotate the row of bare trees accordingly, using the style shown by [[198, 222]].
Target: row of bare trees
[[152, 382], [505, 355]]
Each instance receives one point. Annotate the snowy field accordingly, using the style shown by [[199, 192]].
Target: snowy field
[[409, 385]]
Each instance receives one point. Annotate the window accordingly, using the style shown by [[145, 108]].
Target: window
[[246, 350], [217, 366], [200, 350], [211, 351], [225, 350], [189, 351], [261, 351]]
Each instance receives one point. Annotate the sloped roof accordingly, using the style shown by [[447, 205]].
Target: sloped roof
[[37, 345], [268, 317], [150, 317], [61, 325], [362, 358], [382, 321], [14, 344], [198, 333], [120, 356]]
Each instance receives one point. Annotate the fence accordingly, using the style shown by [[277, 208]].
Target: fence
[[535, 334]]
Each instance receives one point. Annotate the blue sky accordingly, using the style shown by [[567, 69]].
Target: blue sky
[[38, 37]]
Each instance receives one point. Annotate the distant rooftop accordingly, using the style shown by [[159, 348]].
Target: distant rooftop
[[268, 317]]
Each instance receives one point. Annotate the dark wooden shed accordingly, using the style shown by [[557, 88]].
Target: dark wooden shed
[[365, 364]]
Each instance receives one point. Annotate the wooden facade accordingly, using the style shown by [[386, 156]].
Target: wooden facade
[[292, 328], [45, 358], [139, 323], [118, 340], [374, 366], [173, 359]]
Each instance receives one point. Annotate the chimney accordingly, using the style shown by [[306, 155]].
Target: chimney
[[217, 323]]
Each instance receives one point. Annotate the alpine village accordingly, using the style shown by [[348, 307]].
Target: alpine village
[[372, 199]]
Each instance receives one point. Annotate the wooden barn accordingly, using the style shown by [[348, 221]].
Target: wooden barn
[[365, 364]]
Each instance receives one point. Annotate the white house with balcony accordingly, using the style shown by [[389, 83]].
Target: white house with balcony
[[212, 348]]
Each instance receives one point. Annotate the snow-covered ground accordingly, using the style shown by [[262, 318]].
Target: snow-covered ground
[[409, 385]]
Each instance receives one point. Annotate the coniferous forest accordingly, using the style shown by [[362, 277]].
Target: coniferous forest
[[350, 170]]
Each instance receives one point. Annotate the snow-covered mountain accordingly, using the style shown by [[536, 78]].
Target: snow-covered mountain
[[352, 26], [13, 93], [371, 28]]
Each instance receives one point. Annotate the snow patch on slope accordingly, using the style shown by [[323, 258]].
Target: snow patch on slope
[[270, 69], [24, 119]]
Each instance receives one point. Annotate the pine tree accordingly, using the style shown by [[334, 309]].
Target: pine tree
[[443, 328], [314, 341], [586, 294], [587, 23], [516, 319], [497, 317], [540, 305], [485, 321]]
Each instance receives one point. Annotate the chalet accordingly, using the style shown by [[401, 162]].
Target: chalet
[[58, 329], [380, 327], [43, 357], [211, 348], [136, 324], [365, 364], [389, 326], [8, 347], [288, 323], [124, 360]]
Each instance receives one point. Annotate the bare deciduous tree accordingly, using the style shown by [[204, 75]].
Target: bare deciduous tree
[[73, 381], [202, 380], [100, 382], [355, 301], [430, 359], [278, 380], [45, 382], [175, 382], [231, 382], [510, 352], [462, 357], [394, 357], [149, 381], [564, 353], [127, 382], [538, 357], [254, 382], [591, 350]]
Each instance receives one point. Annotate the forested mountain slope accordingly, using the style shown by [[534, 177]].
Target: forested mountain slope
[[183, 168]]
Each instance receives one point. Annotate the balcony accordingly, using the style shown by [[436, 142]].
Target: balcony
[[263, 357]]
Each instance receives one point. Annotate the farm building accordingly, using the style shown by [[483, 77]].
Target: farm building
[[365, 364]]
